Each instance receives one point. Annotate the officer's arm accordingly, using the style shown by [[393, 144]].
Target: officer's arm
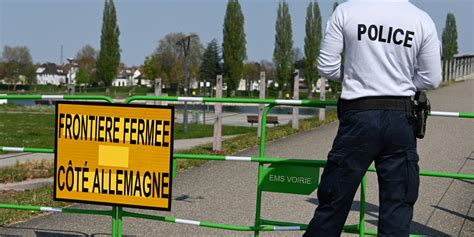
[[428, 75], [329, 60]]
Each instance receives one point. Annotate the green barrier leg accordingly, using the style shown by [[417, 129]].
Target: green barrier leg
[[114, 221], [119, 221], [362, 208], [263, 127], [174, 168]]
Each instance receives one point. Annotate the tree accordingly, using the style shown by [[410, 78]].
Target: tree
[[109, 56], [283, 52], [335, 85], [169, 59], [251, 73], [82, 77], [211, 62], [312, 44], [18, 65], [234, 46], [86, 53], [2, 70], [150, 68], [86, 58], [450, 40]]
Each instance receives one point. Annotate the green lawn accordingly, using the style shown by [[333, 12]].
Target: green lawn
[[26, 129]]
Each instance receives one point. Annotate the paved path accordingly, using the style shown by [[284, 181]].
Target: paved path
[[224, 192]]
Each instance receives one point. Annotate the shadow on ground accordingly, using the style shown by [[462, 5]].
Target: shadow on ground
[[417, 228]]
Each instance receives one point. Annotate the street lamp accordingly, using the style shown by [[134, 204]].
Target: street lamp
[[185, 43]]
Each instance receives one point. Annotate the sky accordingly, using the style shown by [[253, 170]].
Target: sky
[[44, 25]]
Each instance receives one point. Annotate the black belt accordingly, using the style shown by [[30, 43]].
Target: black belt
[[377, 103]]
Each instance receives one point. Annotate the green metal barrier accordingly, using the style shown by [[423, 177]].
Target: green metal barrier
[[58, 97], [117, 213]]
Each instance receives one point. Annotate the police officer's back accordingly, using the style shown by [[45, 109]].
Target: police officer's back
[[391, 49]]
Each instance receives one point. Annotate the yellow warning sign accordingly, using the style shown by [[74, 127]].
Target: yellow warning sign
[[114, 154]]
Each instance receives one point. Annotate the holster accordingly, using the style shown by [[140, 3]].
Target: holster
[[422, 108]]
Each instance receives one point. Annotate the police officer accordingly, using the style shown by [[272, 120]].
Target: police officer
[[391, 49]]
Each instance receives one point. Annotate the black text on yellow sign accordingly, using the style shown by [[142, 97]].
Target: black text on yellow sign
[[114, 154]]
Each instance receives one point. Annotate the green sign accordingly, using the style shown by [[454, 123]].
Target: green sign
[[294, 179]]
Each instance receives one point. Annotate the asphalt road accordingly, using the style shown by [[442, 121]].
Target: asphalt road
[[224, 192]]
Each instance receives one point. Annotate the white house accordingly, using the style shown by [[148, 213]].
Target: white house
[[123, 79], [130, 77], [121, 82], [50, 74]]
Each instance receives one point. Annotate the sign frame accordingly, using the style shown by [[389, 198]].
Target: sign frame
[[171, 174]]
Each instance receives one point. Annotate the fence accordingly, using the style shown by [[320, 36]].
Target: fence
[[459, 66], [117, 213]]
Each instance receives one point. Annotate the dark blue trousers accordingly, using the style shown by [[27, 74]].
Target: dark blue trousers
[[366, 136]]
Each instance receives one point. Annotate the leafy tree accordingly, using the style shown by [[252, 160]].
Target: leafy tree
[[169, 59], [211, 62], [86, 58], [109, 56], [450, 40], [335, 85], [86, 53], [82, 77], [18, 65], [251, 74], [150, 68], [2, 70], [234, 46], [450, 37], [283, 52], [312, 44]]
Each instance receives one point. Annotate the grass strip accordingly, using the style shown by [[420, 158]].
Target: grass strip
[[28, 170]]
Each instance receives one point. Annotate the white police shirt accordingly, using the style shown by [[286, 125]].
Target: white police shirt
[[391, 48]]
